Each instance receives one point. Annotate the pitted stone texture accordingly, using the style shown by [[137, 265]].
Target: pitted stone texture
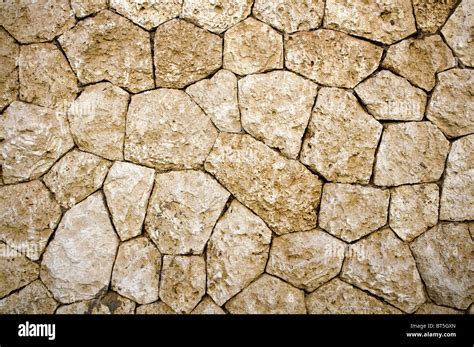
[[457, 195], [9, 83], [390, 97], [451, 105], [109, 47], [83, 8], [281, 191], [32, 299], [111, 303], [413, 209], [207, 306], [148, 14], [158, 307], [331, 58], [78, 262], [350, 211], [216, 16], [183, 282], [36, 21], [341, 139], [276, 108], [431, 15], [184, 54], [183, 210], [217, 97], [384, 266], [29, 214], [386, 21], [429, 308], [237, 252], [252, 47], [268, 295], [290, 15], [444, 255], [306, 259], [97, 120], [136, 273], [413, 152], [76, 176], [419, 60], [34, 138], [167, 130], [338, 297], [127, 189]]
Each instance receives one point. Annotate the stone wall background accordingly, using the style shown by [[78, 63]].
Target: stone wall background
[[198, 156]]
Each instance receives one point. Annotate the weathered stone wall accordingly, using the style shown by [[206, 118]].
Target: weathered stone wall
[[236, 156]]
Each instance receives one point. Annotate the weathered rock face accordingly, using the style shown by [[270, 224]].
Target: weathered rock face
[[32, 299], [338, 297], [111, 303], [183, 282], [183, 210], [431, 15], [158, 307], [444, 255], [237, 252], [384, 266], [184, 54], [29, 215], [83, 8], [276, 107], [281, 191], [268, 295], [127, 189], [251, 47], [207, 306], [97, 120], [418, 60], [350, 211], [429, 308], [76, 176], [412, 152], [457, 195], [34, 138], [109, 47], [341, 139], [9, 85], [331, 58], [167, 130], [78, 262]]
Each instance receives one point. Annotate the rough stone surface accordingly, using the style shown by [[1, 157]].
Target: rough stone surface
[[341, 139], [32, 299], [431, 15], [281, 191], [429, 308], [78, 262], [350, 211], [251, 47], [83, 8], [9, 85], [331, 58], [207, 306], [276, 107], [413, 152], [111, 303], [158, 307], [183, 210], [237, 252]]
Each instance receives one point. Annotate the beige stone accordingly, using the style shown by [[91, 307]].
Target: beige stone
[[276, 108], [444, 255], [184, 54], [251, 47], [9, 83], [183, 209], [341, 139], [109, 47], [83, 307], [412, 152], [236, 253], [127, 189], [78, 262], [167, 130], [431, 15], [83, 8], [207, 306], [32, 299], [158, 307], [111, 303], [429, 308], [281, 191]]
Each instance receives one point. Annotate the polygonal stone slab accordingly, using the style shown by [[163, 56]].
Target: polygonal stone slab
[[158, 307], [111, 303], [429, 308], [431, 15], [83, 8], [32, 299], [207, 306], [9, 84]]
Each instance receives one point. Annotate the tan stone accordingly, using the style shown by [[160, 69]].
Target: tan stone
[[9, 83], [276, 108], [111, 303], [183, 209], [350, 211], [78, 262], [431, 15], [444, 255], [32, 299], [412, 152], [237, 252], [109, 47], [158, 307], [83, 8], [331, 58], [429, 308], [207, 306], [184, 54], [251, 47], [83, 307], [341, 139], [167, 130], [281, 191]]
